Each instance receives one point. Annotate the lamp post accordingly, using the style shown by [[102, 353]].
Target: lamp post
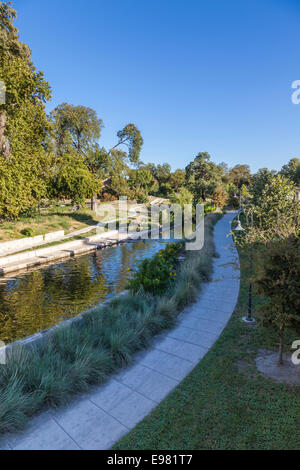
[[249, 318], [239, 228]]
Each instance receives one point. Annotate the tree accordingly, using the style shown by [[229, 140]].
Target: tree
[[291, 170], [73, 180], [98, 163], [239, 175], [75, 126], [277, 278], [77, 130], [258, 183], [131, 137], [274, 238], [232, 192], [162, 173], [177, 179], [183, 196], [276, 203], [24, 127], [140, 182], [203, 176], [220, 197]]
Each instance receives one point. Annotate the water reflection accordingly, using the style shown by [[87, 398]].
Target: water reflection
[[38, 299]]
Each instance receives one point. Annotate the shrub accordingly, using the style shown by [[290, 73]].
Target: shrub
[[156, 274], [208, 208], [27, 232]]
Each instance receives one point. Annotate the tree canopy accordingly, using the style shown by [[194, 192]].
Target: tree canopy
[[24, 127]]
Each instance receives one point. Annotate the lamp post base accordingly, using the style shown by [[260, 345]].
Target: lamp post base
[[248, 319]]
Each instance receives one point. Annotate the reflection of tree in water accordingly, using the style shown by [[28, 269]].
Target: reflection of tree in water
[[42, 298], [39, 299]]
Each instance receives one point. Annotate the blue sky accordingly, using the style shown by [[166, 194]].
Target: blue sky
[[193, 75]]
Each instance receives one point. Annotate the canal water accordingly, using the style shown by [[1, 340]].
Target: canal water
[[38, 299]]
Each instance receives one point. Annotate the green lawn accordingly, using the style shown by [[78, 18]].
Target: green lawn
[[225, 403]]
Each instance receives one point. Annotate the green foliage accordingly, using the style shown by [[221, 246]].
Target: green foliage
[[220, 197], [140, 182], [203, 176], [184, 196], [272, 231], [276, 202], [291, 170], [258, 183], [240, 175], [278, 264], [208, 208], [24, 128], [165, 190], [277, 277], [232, 192], [131, 137], [75, 127], [73, 180], [177, 180], [156, 274], [27, 232]]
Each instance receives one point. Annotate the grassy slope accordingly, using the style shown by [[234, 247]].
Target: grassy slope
[[64, 218], [225, 403], [88, 352], [50, 220]]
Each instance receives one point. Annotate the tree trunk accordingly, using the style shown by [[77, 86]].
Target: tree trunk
[[280, 356], [94, 203]]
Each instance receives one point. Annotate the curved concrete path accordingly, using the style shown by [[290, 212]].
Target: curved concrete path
[[98, 419]]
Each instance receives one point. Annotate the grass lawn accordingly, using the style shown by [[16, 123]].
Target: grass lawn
[[225, 403]]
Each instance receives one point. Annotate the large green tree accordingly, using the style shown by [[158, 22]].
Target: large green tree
[[75, 127], [77, 130], [131, 138], [203, 176], [240, 175], [177, 179], [259, 181], [24, 127]]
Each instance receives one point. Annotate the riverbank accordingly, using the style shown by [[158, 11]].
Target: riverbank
[[60, 251]]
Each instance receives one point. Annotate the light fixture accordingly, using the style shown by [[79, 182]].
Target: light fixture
[[239, 227]]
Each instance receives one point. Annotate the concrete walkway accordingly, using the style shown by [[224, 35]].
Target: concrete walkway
[[98, 419]]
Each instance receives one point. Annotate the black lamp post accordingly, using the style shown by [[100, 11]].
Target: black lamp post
[[239, 228], [249, 318]]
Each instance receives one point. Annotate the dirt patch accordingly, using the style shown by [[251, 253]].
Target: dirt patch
[[267, 364]]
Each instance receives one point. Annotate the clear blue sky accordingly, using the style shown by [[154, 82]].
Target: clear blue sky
[[193, 75]]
